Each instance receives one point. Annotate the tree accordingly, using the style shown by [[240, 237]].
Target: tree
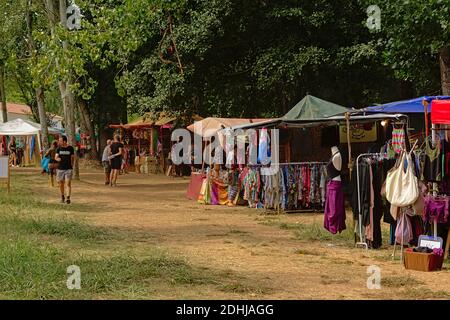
[[416, 42]]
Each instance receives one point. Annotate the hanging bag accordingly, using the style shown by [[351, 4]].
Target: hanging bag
[[402, 188], [403, 232]]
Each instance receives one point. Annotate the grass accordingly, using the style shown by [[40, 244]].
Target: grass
[[33, 271], [315, 232], [38, 242]]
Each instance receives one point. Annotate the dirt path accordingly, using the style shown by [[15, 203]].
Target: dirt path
[[272, 261]]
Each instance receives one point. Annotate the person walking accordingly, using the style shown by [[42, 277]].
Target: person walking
[[106, 162], [65, 156], [115, 155], [52, 163]]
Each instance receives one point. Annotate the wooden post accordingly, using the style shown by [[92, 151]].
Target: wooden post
[[425, 109], [349, 144]]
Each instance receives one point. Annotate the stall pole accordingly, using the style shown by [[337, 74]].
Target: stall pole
[[350, 162], [435, 186], [425, 109]]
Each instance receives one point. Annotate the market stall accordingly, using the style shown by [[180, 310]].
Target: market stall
[[206, 129], [148, 141], [29, 140]]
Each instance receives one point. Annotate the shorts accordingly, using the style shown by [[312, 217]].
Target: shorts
[[106, 167], [116, 163], [63, 175]]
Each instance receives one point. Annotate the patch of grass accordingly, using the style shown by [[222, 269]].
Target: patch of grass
[[400, 281], [33, 271], [64, 227], [308, 252], [425, 293], [326, 280], [241, 288], [239, 232]]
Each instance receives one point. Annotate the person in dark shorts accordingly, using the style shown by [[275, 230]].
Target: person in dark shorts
[[65, 156], [106, 163], [116, 151]]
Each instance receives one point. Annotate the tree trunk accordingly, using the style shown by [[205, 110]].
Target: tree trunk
[[444, 61], [42, 117], [39, 91], [3, 93], [65, 87], [85, 117]]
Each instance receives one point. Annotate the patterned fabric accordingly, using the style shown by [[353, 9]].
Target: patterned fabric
[[398, 140]]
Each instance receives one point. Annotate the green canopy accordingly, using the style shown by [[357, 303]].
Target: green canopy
[[312, 108]]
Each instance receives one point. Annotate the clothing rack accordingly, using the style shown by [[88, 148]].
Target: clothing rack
[[289, 163], [361, 242]]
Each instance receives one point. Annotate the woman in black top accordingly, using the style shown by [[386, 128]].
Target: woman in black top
[[116, 151]]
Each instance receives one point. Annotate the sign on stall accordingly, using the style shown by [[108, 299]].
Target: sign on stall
[[5, 175], [359, 133]]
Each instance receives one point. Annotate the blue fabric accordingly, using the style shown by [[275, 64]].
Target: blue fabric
[[44, 164], [405, 106], [32, 146]]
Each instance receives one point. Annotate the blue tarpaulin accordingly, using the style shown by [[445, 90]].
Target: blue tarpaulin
[[405, 106]]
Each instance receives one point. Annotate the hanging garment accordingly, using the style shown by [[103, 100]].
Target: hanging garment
[[436, 208], [398, 139], [377, 175], [369, 227], [403, 232], [364, 193], [432, 167], [334, 217]]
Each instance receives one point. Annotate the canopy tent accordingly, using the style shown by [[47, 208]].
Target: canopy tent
[[440, 112], [405, 106], [330, 121], [148, 121], [312, 108], [20, 127], [208, 127]]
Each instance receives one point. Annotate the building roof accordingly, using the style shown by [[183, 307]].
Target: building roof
[[18, 108]]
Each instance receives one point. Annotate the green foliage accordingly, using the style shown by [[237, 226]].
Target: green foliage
[[412, 33]]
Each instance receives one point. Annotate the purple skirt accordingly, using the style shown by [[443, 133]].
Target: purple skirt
[[334, 218]]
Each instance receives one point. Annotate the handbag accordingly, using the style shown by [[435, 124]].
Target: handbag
[[402, 188], [403, 232]]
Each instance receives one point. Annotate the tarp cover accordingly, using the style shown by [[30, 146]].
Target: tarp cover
[[311, 108], [208, 127], [405, 106], [440, 111], [20, 127]]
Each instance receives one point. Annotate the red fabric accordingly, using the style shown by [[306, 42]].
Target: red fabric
[[440, 111], [195, 186]]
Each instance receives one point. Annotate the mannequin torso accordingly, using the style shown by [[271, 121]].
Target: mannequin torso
[[336, 159]]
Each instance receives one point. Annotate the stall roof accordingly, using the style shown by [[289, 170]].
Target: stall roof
[[146, 121], [20, 127], [405, 106], [311, 108], [208, 127], [329, 121]]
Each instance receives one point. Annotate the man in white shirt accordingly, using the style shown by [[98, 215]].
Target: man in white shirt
[[106, 162]]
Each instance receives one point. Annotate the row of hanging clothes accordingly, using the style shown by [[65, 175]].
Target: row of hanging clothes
[[429, 163], [369, 205], [298, 186]]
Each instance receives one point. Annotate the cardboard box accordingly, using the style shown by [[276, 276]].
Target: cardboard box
[[422, 261]]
